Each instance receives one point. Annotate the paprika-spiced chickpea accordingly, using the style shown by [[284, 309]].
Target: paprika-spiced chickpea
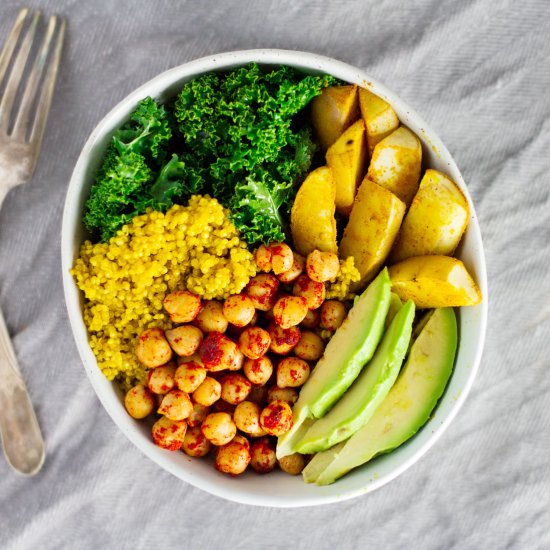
[[258, 371], [292, 464], [239, 438], [195, 358], [312, 319], [258, 394], [262, 455], [168, 434], [182, 306], [197, 416], [152, 349], [290, 311], [238, 310], [333, 314], [282, 257], [310, 347], [232, 458], [313, 292], [195, 444], [298, 266], [219, 428], [139, 401], [254, 342], [208, 392], [176, 405], [211, 317], [218, 352], [162, 379], [283, 340], [276, 418], [262, 290], [189, 376], [262, 256], [292, 372], [235, 388], [184, 340], [289, 395], [247, 418], [322, 266]]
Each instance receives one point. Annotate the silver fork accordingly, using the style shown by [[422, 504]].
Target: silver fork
[[21, 131]]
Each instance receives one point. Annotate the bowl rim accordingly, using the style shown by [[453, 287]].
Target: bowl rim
[[305, 61]]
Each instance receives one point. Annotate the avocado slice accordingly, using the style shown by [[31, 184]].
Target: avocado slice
[[407, 407], [358, 404], [350, 348], [395, 305]]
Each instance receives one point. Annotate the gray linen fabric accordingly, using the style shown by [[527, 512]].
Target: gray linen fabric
[[479, 72]]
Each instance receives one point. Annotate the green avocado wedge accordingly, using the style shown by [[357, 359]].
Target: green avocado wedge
[[351, 347], [370, 388], [407, 407]]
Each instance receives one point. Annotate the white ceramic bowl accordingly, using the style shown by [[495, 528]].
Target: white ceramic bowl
[[276, 489]]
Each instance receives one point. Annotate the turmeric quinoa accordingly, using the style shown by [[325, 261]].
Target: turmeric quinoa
[[124, 281]]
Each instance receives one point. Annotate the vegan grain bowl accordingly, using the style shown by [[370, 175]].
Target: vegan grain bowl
[[275, 277]]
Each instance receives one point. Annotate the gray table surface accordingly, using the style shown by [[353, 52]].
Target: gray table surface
[[479, 72]]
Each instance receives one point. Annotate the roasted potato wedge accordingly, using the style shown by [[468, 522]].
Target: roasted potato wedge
[[372, 227], [346, 158], [334, 110], [434, 281], [436, 220], [379, 116], [312, 221], [395, 164]]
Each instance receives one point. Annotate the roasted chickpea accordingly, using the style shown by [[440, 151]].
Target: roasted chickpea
[[262, 455], [322, 266], [197, 416], [176, 405], [162, 379], [239, 438], [218, 352], [292, 372], [258, 394], [195, 358], [281, 257], [310, 347], [295, 271], [208, 392], [333, 314], [262, 290], [189, 376], [312, 319], [232, 458], [292, 464], [195, 444], [247, 418], [152, 349], [139, 402], [168, 434], [283, 340], [254, 342], [263, 258], [276, 418], [211, 317], [258, 371], [239, 310], [289, 395], [235, 388], [290, 311], [238, 362], [185, 339], [313, 292], [182, 306], [219, 428]]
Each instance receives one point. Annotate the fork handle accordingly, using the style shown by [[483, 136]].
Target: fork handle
[[21, 436]]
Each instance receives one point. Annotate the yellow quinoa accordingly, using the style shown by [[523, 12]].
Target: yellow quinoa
[[339, 287], [125, 280]]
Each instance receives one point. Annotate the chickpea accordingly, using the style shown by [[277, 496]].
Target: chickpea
[[289, 395], [310, 347], [195, 358], [276, 418], [262, 290], [195, 444], [283, 340], [218, 352], [258, 371], [333, 314], [247, 418], [313, 292], [254, 342], [258, 394], [239, 438], [263, 258], [292, 464], [312, 319], [185, 339], [282, 257], [219, 428], [238, 362], [168, 434], [208, 392], [189, 376], [290, 311], [322, 266], [239, 310], [262, 455], [292, 372], [176, 405], [235, 388], [182, 306], [139, 402], [196, 418], [152, 349], [162, 379], [295, 271], [232, 458], [211, 317]]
